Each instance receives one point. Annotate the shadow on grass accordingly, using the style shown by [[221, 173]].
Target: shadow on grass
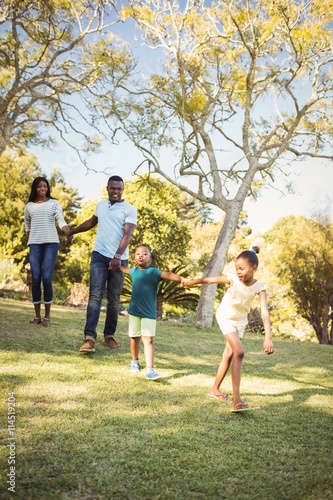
[[190, 352], [135, 447], [89, 429]]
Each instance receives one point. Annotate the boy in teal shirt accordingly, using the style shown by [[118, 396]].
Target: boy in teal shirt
[[142, 308]]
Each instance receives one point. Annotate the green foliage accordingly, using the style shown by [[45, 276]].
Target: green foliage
[[17, 170], [302, 258], [60, 294], [173, 293], [11, 276], [51, 50]]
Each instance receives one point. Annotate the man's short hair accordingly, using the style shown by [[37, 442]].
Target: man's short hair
[[115, 178]]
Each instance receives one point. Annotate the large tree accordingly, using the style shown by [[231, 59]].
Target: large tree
[[234, 91], [302, 259], [53, 57]]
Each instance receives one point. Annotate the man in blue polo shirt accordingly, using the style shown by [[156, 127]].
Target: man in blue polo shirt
[[116, 221]]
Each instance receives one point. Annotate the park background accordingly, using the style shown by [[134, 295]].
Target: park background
[[229, 105], [85, 428]]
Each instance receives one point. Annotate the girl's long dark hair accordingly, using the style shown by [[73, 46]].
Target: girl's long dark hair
[[35, 182]]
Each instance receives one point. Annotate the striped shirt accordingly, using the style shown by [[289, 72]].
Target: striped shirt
[[39, 221]]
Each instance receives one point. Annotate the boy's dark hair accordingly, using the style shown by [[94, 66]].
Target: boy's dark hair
[[115, 178], [144, 246], [250, 255]]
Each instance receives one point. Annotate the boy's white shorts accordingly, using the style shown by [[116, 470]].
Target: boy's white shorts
[[141, 326]]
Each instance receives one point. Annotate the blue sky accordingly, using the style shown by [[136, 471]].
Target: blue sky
[[312, 182]]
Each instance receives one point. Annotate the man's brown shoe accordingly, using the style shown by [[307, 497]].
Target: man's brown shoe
[[87, 346], [111, 343]]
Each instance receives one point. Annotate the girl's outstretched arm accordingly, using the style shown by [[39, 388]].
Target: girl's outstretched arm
[[211, 280], [268, 343]]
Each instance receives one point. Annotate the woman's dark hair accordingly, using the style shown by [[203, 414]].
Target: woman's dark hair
[[35, 182], [250, 255]]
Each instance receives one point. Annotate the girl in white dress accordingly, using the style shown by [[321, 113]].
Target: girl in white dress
[[231, 316]]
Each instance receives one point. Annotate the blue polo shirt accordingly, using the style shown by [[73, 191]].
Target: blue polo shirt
[[110, 229]]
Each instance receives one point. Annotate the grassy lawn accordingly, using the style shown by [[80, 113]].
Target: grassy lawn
[[86, 428]]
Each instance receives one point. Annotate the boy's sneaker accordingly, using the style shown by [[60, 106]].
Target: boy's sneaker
[[135, 366], [152, 374]]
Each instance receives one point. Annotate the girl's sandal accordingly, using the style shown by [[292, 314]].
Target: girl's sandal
[[35, 321], [45, 322], [240, 407]]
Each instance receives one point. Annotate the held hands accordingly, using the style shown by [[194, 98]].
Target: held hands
[[186, 282], [69, 239], [114, 264]]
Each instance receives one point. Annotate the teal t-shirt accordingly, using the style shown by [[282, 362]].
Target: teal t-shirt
[[145, 283]]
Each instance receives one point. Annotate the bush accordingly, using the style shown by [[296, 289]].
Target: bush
[[60, 294], [79, 295]]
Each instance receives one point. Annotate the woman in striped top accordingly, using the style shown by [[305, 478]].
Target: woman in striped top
[[40, 216]]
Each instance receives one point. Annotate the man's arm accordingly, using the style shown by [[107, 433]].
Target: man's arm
[[85, 226], [128, 231]]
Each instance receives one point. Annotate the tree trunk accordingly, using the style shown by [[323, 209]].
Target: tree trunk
[[6, 131], [326, 318], [319, 332], [205, 310]]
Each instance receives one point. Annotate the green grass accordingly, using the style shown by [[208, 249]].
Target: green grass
[[87, 428]]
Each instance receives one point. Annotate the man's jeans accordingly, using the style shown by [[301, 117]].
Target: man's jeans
[[42, 261], [99, 276]]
